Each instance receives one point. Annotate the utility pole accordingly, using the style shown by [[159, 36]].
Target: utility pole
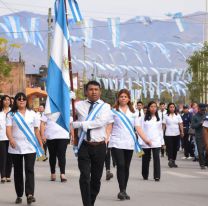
[[50, 21], [84, 70]]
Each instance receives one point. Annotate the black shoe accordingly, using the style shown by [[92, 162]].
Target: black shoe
[[109, 175], [170, 163], [121, 196], [33, 199], [203, 167], [145, 178], [3, 180], [63, 179], [157, 179], [45, 159], [174, 164], [18, 200], [30, 199], [8, 179], [127, 196], [195, 159]]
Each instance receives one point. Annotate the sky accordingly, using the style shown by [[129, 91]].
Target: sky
[[102, 9]]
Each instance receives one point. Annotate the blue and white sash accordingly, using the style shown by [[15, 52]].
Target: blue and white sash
[[127, 123], [91, 116], [28, 133]]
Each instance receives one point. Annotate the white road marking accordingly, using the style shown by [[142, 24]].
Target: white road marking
[[180, 174]]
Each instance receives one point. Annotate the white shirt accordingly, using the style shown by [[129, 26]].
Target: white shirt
[[172, 124], [120, 137], [98, 125], [162, 114], [141, 111], [3, 136], [53, 130], [23, 146], [205, 123], [153, 131]]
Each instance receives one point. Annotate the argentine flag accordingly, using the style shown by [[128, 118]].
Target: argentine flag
[[74, 7], [58, 84]]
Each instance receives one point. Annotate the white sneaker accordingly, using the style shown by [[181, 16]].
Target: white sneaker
[[190, 158], [184, 158]]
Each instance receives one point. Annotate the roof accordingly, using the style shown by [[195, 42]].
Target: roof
[[36, 91]]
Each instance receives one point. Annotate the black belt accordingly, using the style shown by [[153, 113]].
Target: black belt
[[94, 143]]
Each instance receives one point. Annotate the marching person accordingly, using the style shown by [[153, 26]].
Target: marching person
[[173, 126], [197, 124], [25, 142], [162, 112], [93, 117], [123, 139], [40, 113], [140, 109], [57, 139], [152, 127], [205, 134], [5, 157], [187, 139]]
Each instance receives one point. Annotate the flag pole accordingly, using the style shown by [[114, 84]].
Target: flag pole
[[71, 84]]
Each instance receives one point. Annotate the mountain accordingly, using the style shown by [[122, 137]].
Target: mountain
[[170, 51]]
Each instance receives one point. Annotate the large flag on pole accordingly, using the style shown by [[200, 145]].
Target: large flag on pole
[[58, 83]]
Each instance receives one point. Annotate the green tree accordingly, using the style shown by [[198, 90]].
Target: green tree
[[198, 65], [5, 50]]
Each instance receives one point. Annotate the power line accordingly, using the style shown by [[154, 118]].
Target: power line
[[103, 12]]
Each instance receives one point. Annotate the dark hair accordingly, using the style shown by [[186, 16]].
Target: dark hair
[[124, 91], [95, 83], [148, 115], [2, 101], [17, 96], [168, 110], [162, 103], [42, 104], [140, 102]]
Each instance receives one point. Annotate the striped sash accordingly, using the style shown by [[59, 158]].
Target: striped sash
[[91, 116], [127, 123], [28, 133]]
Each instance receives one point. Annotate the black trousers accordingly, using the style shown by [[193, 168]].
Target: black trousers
[[5, 160], [188, 149], [108, 159], [57, 149], [172, 145], [202, 152], [123, 160], [91, 162], [29, 173], [146, 161], [45, 148]]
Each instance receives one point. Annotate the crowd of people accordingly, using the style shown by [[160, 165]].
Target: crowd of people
[[104, 132]]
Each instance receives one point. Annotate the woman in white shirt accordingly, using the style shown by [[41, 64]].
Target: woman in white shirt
[[152, 127], [173, 125], [21, 147], [121, 140], [5, 157], [57, 140]]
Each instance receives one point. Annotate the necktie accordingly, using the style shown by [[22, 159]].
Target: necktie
[[88, 131], [162, 115], [139, 113]]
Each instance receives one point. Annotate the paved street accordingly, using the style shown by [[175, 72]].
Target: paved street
[[183, 186]]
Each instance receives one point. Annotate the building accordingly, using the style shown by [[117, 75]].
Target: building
[[16, 81]]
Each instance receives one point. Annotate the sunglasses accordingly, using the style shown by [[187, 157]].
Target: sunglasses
[[21, 99]]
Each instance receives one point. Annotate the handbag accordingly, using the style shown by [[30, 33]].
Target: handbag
[[191, 131]]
